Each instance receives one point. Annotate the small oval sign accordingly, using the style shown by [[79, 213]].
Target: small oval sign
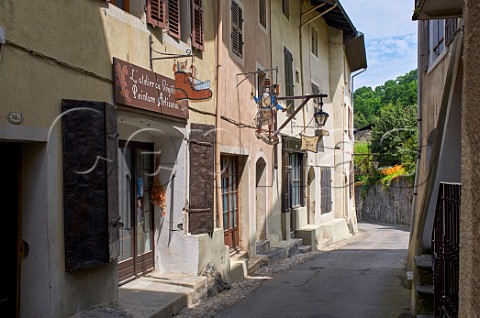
[[15, 118]]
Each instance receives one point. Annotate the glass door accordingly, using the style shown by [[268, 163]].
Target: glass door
[[135, 168], [230, 201]]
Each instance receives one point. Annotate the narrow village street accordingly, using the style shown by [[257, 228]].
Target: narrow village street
[[365, 278]]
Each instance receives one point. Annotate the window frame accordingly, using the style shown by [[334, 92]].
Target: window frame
[[286, 8], [436, 40], [295, 186], [314, 42], [262, 13]]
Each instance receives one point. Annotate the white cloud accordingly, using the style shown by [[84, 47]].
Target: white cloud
[[390, 36]]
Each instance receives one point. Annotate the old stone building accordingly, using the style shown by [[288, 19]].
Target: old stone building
[[135, 142]]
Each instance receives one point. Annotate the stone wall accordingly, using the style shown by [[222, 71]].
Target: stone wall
[[388, 205]]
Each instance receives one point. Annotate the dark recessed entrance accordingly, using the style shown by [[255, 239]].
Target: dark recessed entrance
[[10, 246], [135, 170]]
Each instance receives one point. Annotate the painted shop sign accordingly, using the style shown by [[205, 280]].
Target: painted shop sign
[[142, 88], [310, 143]]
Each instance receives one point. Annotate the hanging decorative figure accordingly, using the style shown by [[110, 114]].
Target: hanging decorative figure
[[187, 86], [267, 108]]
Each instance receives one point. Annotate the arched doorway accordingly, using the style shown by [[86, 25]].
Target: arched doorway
[[261, 200], [311, 195]]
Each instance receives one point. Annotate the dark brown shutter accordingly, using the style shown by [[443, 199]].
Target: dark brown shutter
[[237, 32], [197, 24], [202, 175], [156, 13], [174, 18], [90, 189]]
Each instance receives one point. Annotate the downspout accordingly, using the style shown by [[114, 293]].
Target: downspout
[[419, 137], [218, 219]]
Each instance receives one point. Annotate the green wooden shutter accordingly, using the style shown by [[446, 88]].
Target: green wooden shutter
[[90, 184], [289, 91]]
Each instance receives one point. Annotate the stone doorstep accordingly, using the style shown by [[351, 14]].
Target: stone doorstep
[[256, 262], [161, 295]]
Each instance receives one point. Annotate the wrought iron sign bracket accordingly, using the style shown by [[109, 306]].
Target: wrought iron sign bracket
[[305, 98], [167, 56]]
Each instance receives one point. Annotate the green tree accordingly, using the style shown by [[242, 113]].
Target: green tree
[[368, 102], [394, 136]]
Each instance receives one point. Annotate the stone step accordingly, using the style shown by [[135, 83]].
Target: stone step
[[262, 246], [238, 270], [304, 248], [424, 270], [425, 299], [256, 262], [275, 253], [327, 241], [424, 262]]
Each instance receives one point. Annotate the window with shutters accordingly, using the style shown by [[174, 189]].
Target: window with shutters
[[314, 41], [237, 29], [288, 59], [122, 4], [183, 20], [262, 12], [156, 13], [286, 8], [326, 190], [173, 18], [197, 24]]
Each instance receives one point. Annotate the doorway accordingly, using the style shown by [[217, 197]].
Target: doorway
[[230, 201], [135, 172], [260, 199], [10, 246]]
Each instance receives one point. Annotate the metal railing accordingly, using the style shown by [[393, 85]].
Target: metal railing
[[445, 244]]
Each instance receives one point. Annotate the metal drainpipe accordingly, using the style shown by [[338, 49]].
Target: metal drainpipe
[[218, 216], [419, 130]]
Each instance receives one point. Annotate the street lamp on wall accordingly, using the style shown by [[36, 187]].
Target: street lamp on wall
[[321, 116]]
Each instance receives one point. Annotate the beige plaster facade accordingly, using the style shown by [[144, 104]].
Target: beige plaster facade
[[66, 51]]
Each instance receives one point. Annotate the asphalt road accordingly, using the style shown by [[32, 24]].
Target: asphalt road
[[363, 279]]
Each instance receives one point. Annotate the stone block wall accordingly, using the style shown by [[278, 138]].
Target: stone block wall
[[392, 204]]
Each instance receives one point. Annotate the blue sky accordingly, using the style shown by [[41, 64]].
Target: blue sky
[[390, 38]]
